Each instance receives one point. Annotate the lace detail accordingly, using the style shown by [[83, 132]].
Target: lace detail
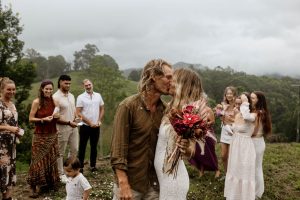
[[170, 188]]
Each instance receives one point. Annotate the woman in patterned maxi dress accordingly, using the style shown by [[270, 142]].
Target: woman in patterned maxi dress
[[8, 134], [43, 169]]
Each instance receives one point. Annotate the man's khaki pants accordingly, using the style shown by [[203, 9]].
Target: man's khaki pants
[[70, 138]]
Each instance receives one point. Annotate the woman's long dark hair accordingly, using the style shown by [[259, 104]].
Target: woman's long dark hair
[[41, 93], [263, 114]]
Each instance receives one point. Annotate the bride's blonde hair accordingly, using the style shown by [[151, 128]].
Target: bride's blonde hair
[[188, 88]]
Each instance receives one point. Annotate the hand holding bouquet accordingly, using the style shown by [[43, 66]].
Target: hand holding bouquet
[[189, 123]]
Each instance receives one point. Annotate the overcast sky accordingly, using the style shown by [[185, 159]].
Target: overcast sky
[[255, 36]]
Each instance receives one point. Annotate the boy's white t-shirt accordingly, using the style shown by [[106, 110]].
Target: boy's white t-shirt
[[76, 186]]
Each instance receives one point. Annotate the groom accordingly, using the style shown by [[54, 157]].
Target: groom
[[135, 131]]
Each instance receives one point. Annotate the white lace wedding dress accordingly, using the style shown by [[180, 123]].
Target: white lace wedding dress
[[170, 188]]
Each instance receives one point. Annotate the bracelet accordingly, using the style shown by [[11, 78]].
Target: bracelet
[[69, 122], [42, 121]]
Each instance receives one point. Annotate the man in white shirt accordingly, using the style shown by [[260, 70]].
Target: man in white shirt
[[90, 108], [66, 125]]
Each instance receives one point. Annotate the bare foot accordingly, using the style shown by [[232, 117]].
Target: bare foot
[[201, 172], [34, 192], [34, 195], [217, 175]]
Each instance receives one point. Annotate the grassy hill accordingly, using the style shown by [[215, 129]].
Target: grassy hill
[[281, 173], [76, 89], [76, 86]]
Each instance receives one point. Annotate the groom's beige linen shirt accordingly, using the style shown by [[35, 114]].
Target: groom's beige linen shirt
[[135, 134]]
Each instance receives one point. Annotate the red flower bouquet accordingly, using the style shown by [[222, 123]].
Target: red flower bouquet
[[189, 123]]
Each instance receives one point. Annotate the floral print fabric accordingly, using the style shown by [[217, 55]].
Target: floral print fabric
[[8, 116]]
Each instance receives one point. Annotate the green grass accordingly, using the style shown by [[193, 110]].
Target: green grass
[[281, 173], [22, 167]]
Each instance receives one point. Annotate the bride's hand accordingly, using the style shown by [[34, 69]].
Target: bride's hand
[[183, 145]]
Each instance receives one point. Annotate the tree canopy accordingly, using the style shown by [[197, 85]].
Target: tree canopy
[[11, 62], [83, 57], [10, 46]]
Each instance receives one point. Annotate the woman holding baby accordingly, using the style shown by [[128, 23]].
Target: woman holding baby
[[228, 114]]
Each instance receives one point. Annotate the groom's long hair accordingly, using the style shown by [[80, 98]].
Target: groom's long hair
[[188, 88], [153, 68]]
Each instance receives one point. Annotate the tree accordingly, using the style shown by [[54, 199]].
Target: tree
[[11, 63], [32, 54], [83, 57], [47, 68], [22, 71], [134, 75], [104, 61], [110, 61], [11, 53], [109, 82], [40, 62], [10, 45], [57, 65]]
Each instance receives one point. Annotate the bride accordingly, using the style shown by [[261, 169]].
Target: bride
[[186, 88]]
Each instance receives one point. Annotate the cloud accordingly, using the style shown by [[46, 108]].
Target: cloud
[[253, 36]]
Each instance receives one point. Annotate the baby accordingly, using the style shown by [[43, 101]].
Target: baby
[[219, 110], [77, 186], [237, 104]]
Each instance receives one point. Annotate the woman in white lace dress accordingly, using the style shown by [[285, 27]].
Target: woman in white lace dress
[[186, 88], [263, 127], [240, 176]]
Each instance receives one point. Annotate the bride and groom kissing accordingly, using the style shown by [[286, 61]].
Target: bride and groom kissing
[[143, 137]]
